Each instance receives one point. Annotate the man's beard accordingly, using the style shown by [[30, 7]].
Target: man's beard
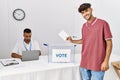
[[27, 40]]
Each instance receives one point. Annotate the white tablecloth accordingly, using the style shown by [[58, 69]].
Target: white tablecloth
[[41, 70]]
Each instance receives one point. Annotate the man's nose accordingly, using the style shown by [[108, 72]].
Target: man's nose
[[85, 14]]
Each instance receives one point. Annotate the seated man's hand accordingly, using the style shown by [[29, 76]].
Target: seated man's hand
[[14, 55]]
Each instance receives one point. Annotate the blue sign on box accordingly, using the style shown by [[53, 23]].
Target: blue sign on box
[[61, 53]]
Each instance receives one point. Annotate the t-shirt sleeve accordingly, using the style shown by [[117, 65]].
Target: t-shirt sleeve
[[107, 31], [16, 48]]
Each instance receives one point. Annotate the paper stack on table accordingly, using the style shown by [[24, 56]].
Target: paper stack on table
[[7, 62]]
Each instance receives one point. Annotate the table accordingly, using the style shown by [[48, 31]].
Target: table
[[116, 66], [41, 70]]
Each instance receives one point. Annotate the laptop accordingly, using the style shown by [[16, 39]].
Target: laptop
[[30, 55]]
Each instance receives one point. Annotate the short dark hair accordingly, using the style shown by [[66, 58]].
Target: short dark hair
[[27, 30], [83, 7]]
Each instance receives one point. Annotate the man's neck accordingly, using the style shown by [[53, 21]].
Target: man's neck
[[91, 19]]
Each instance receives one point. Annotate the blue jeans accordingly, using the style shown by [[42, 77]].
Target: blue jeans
[[91, 75]]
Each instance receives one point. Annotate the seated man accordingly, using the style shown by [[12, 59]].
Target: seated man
[[25, 45]]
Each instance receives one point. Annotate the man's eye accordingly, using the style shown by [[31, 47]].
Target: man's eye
[[86, 10], [82, 12]]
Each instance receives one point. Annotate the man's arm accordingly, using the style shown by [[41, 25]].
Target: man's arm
[[14, 55], [15, 51], [39, 53], [74, 41], [105, 64]]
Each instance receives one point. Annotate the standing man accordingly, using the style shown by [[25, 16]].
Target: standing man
[[96, 45], [25, 45]]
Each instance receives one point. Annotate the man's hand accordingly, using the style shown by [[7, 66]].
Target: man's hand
[[79, 41], [69, 39], [104, 66], [14, 55]]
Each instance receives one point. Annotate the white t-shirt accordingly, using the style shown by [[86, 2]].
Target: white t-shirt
[[22, 46]]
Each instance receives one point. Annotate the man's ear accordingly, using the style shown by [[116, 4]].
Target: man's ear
[[91, 9], [23, 34]]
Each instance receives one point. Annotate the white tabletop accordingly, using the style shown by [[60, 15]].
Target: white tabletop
[[42, 70], [36, 66]]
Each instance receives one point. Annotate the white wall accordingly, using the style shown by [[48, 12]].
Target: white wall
[[3, 29], [47, 17]]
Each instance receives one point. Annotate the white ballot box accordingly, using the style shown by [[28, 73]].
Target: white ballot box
[[61, 53]]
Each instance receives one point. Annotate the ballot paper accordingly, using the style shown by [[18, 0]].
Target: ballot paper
[[8, 62], [63, 35]]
